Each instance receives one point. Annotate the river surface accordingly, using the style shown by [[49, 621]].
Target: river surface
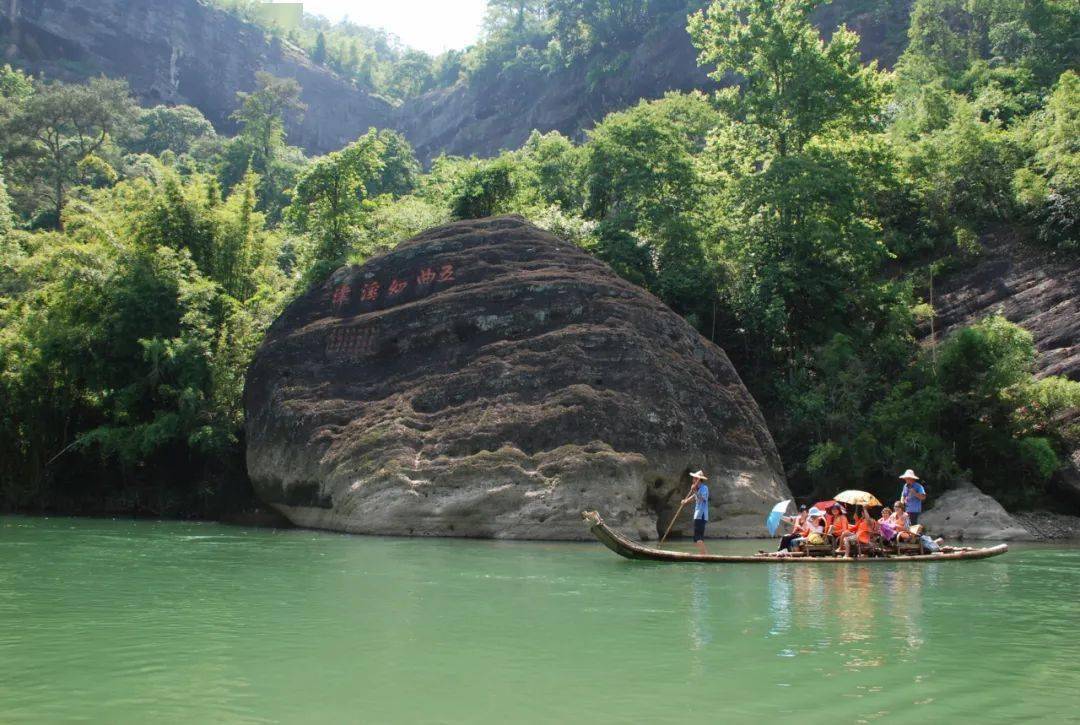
[[118, 621]]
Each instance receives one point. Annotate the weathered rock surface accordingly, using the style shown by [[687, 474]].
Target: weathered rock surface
[[1034, 288], [183, 51], [487, 379], [968, 513], [492, 114], [1038, 290]]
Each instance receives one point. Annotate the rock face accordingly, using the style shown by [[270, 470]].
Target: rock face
[[1036, 289], [183, 51], [487, 379], [1032, 287], [492, 114], [968, 513]]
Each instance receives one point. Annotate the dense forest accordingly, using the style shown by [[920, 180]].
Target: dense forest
[[526, 38], [798, 218]]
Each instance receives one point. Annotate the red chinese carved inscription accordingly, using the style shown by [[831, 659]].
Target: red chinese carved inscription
[[341, 296], [369, 292]]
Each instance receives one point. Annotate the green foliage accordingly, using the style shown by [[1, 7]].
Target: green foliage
[[962, 171], [484, 189], [793, 85], [787, 217], [58, 126], [121, 350], [171, 128], [262, 115], [6, 219], [999, 49], [399, 169], [644, 187], [1048, 186], [328, 202]]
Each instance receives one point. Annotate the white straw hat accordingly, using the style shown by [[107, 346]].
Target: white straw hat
[[699, 474], [909, 474]]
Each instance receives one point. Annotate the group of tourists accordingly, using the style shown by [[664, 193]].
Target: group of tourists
[[850, 537]]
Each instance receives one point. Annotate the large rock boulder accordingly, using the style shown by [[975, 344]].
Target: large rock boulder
[[487, 379], [968, 513]]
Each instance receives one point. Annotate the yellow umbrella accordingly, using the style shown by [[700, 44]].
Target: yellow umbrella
[[857, 498]]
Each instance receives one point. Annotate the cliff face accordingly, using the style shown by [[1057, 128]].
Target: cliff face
[[182, 51], [487, 379], [1036, 289], [1032, 287], [494, 114], [490, 115]]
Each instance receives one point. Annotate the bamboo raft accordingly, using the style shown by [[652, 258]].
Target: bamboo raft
[[633, 550]]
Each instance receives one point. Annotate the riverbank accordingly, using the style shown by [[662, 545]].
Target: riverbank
[[1047, 526]]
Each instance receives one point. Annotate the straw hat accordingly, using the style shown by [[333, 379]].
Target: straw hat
[[699, 474], [909, 475]]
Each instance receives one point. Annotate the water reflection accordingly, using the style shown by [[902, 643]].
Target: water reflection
[[869, 613], [700, 633]]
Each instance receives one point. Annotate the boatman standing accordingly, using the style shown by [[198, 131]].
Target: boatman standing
[[913, 494], [699, 494]]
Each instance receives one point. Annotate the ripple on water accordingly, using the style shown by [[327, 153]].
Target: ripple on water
[[137, 621]]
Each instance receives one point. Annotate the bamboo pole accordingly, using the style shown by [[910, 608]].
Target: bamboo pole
[[682, 502]]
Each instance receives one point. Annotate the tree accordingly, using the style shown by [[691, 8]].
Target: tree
[[15, 88], [263, 113], [61, 125], [1049, 185], [643, 185], [583, 26], [328, 199], [792, 85], [411, 75], [484, 189], [318, 56], [171, 128], [513, 17], [6, 220], [400, 169]]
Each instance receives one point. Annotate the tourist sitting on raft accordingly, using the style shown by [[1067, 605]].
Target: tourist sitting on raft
[[858, 540], [815, 531], [837, 524], [799, 529]]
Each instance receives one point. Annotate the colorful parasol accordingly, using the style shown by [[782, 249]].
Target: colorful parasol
[[772, 521], [857, 498]]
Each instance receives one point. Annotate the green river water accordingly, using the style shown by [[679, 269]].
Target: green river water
[[118, 621]]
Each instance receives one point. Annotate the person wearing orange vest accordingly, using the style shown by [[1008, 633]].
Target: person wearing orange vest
[[863, 530], [837, 523]]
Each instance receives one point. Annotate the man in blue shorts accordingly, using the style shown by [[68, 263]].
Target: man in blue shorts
[[913, 494], [699, 494]]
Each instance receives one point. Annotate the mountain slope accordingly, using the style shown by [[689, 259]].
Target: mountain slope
[[182, 51], [487, 116], [185, 51]]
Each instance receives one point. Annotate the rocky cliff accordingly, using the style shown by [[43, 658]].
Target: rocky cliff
[[1033, 287], [492, 114], [487, 379], [182, 51]]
